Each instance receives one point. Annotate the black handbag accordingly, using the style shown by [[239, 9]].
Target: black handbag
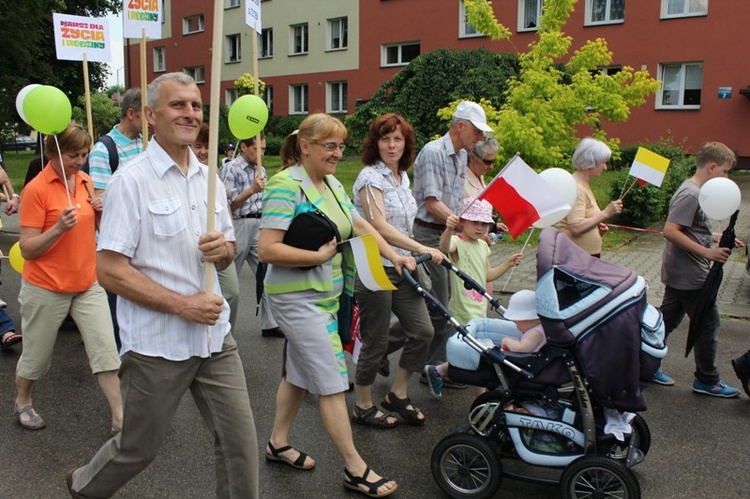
[[310, 231]]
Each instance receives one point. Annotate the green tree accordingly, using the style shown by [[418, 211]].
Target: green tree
[[245, 85], [28, 50], [104, 113], [550, 97], [432, 81]]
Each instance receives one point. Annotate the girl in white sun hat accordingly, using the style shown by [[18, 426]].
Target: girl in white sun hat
[[469, 252]]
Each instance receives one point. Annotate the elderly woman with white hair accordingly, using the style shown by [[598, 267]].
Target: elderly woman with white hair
[[584, 224]]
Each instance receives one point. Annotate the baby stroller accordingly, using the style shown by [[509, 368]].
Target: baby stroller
[[549, 410]]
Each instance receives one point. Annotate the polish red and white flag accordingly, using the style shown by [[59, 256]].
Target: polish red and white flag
[[524, 198]]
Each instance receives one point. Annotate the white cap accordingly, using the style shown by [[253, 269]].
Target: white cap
[[522, 306], [473, 112]]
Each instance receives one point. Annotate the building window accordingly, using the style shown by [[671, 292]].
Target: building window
[[298, 40], [529, 14], [681, 86], [605, 11], [399, 54], [297, 99], [160, 59], [268, 98], [605, 70], [338, 93], [230, 4], [230, 95], [338, 33], [265, 43], [197, 72], [465, 30], [192, 24], [234, 48], [683, 8]]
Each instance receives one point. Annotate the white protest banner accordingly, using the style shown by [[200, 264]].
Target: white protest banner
[[77, 35], [252, 15], [138, 15]]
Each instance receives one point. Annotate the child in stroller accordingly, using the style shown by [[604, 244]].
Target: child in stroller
[[494, 332], [547, 409]]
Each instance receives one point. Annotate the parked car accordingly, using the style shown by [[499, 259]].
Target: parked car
[[19, 143]]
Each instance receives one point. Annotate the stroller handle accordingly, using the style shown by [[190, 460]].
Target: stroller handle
[[406, 273]]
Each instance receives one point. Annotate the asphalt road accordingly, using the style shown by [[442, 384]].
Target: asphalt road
[[699, 444]]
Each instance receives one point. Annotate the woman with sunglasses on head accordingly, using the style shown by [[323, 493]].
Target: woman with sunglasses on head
[[304, 287]]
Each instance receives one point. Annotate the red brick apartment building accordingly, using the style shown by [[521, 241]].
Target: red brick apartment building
[[326, 55]]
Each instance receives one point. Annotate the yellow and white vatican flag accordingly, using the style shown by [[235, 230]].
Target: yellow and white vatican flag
[[649, 166], [369, 267]]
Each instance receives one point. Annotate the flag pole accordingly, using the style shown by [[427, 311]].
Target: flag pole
[[514, 267], [213, 134], [144, 91], [87, 93], [256, 85], [631, 186]]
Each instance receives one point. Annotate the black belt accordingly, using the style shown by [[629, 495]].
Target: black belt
[[251, 215], [429, 225]]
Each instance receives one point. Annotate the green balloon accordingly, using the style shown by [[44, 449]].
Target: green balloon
[[47, 109], [247, 116]]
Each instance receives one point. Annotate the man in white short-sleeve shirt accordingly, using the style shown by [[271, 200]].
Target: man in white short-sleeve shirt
[[175, 336]]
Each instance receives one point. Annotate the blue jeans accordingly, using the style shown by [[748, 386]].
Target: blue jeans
[[6, 323], [674, 306]]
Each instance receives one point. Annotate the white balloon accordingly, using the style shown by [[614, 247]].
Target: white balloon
[[21, 96], [551, 218], [563, 182], [719, 198]]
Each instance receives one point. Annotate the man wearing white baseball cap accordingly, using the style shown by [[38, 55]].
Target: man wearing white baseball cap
[[473, 112], [439, 172]]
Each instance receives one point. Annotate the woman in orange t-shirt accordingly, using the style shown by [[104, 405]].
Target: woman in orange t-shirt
[[58, 220]]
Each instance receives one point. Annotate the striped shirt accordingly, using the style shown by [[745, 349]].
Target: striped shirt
[[155, 218], [99, 168], [238, 176]]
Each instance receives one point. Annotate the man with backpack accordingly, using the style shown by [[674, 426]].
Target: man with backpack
[[121, 144]]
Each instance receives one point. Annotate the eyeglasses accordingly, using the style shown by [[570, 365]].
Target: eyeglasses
[[332, 146], [488, 162]]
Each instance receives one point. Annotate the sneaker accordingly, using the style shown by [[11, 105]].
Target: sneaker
[[720, 389], [662, 379], [435, 381], [447, 382]]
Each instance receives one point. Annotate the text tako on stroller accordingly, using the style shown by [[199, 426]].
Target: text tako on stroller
[[569, 407]]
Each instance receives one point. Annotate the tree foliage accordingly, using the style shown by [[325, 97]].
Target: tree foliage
[[28, 50], [550, 97], [104, 113], [432, 81], [245, 85]]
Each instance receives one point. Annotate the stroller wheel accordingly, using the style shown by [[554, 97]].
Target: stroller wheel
[[466, 466], [598, 476], [642, 434]]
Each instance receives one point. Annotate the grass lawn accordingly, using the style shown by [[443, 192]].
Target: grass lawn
[[16, 164]]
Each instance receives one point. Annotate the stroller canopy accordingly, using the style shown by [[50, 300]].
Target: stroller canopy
[[598, 307]]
